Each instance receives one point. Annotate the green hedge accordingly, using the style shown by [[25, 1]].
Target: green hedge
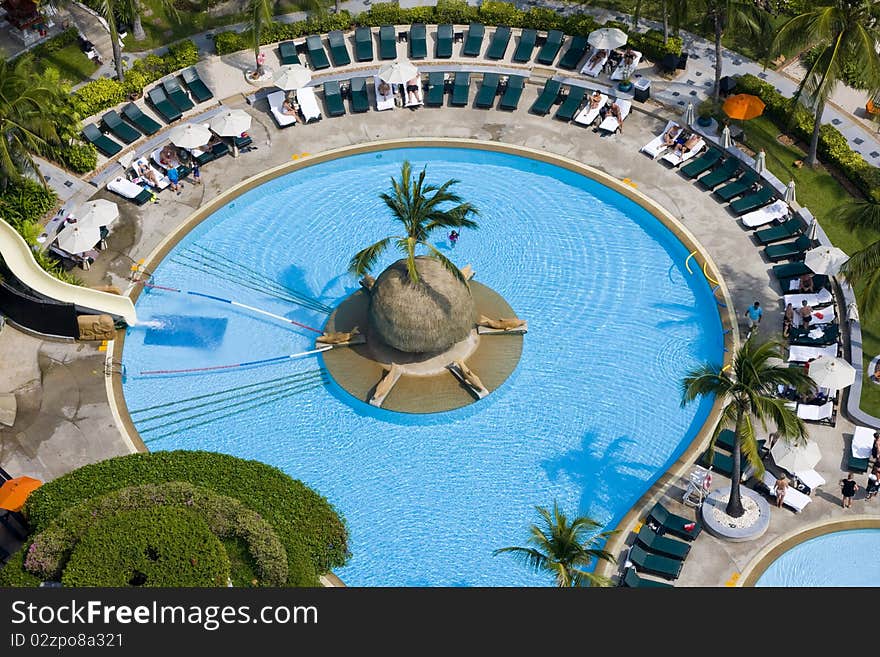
[[74, 156], [225, 517], [310, 530], [833, 148], [162, 546], [25, 202]]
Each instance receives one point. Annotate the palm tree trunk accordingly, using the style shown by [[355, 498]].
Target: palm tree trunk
[[814, 139], [137, 27], [117, 51], [637, 14], [719, 32], [734, 505], [665, 23]]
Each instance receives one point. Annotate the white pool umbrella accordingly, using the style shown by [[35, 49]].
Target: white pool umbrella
[[795, 458], [292, 76], [689, 114], [760, 161], [98, 212], [726, 141], [76, 239], [607, 38], [231, 123], [190, 135], [832, 373], [789, 193], [398, 72], [825, 260]]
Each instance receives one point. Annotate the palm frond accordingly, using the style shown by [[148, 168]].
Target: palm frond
[[450, 266], [365, 259]]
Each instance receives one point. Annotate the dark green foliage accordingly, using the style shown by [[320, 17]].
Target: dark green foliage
[[25, 201], [162, 546], [74, 156], [14, 574]]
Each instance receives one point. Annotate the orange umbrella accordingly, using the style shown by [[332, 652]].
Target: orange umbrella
[[14, 492], [743, 107]]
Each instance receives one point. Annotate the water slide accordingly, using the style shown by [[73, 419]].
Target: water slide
[[20, 261]]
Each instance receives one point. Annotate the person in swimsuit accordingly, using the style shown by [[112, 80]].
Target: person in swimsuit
[[598, 56], [670, 135], [453, 238], [595, 99], [806, 284], [412, 90], [787, 320], [781, 486], [806, 313], [849, 487]]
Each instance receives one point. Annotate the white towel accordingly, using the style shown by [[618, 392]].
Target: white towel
[[776, 210], [588, 114], [819, 298], [383, 102], [308, 104], [276, 101], [623, 70], [799, 354], [125, 187], [657, 146]]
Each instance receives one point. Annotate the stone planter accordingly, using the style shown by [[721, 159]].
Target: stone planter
[[751, 526], [704, 121]]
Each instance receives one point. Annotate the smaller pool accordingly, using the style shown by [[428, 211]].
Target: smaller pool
[[844, 558]]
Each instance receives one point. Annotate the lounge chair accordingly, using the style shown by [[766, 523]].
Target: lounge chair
[[478, 391], [287, 53], [220, 148], [443, 45], [238, 141], [674, 524], [588, 115], [363, 44], [360, 101], [820, 413], [702, 164], [474, 41], [571, 104], [625, 70], [338, 50], [632, 580], [276, 103], [162, 105], [790, 270], [820, 316], [786, 229], [593, 67], [385, 386], [546, 98], [794, 499], [798, 354], [677, 158], [776, 211], [860, 449], [577, 48], [162, 181], [815, 299], [739, 186], [526, 46], [387, 42], [333, 99], [654, 563], [460, 89], [758, 199], [316, 53], [788, 250], [308, 104], [512, 92], [811, 479], [122, 131], [815, 336], [100, 141], [792, 284], [667, 547], [436, 89], [726, 440], [418, 41], [140, 120], [657, 146], [488, 90], [202, 156], [551, 47], [177, 95], [383, 102], [182, 170], [610, 122], [498, 45], [728, 170], [721, 463], [522, 329], [196, 85], [132, 191]]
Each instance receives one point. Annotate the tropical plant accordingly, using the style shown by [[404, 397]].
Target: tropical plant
[[418, 207], [862, 270], [564, 548], [847, 31], [747, 390], [259, 13]]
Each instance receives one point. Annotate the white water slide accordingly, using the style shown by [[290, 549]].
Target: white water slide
[[20, 261]]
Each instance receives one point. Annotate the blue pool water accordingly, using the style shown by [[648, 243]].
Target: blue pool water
[[845, 558], [590, 417]]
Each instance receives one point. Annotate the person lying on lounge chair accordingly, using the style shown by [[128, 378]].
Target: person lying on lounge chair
[[595, 99], [629, 56], [503, 324], [337, 337], [806, 284], [614, 110], [597, 57], [168, 157], [412, 89], [670, 135], [147, 174], [682, 147], [289, 107]]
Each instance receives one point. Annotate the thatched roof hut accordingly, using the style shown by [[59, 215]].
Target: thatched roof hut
[[427, 316]]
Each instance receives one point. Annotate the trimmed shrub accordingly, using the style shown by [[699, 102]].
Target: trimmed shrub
[[97, 95], [229, 42], [56, 43], [180, 55], [380, 13], [454, 11], [651, 45], [75, 156], [163, 546], [26, 201], [500, 13], [541, 18], [310, 530]]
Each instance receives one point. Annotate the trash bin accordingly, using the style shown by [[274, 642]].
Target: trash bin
[[642, 89]]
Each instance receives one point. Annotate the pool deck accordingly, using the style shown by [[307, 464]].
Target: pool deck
[[65, 420]]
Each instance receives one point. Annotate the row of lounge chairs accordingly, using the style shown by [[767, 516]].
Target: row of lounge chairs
[[168, 99], [575, 106], [655, 552]]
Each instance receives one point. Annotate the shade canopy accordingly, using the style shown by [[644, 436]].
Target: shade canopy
[[726, 141], [189, 135], [832, 373], [825, 260], [98, 212], [760, 161], [790, 197], [231, 123], [689, 117], [14, 492], [292, 76], [398, 72], [743, 107], [78, 239], [607, 38], [795, 458]]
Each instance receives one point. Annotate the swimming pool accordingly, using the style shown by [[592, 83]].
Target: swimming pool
[[840, 559], [589, 418]]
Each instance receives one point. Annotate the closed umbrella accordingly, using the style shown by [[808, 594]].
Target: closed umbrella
[[796, 458], [190, 135], [231, 123], [14, 492], [98, 212], [760, 161], [825, 260], [814, 229], [398, 72], [607, 38], [726, 141], [76, 239], [689, 114], [832, 372], [292, 76], [789, 193]]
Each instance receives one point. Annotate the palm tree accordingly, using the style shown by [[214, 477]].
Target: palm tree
[[259, 16], [564, 548], [137, 27], [418, 207], [862, 270], [732, 16], [748, 390], [847, 32]]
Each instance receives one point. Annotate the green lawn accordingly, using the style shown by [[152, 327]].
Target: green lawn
[[71, 62]]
